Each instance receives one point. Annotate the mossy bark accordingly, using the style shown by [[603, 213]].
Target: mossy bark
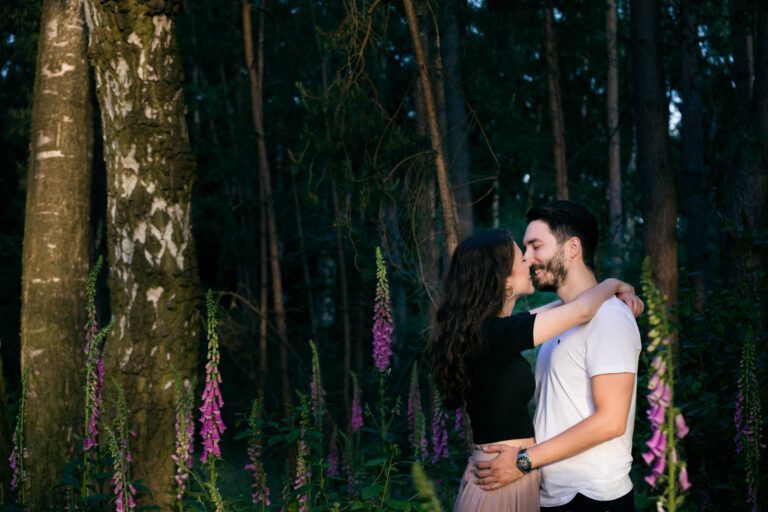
[[56, 246], [153, 278]]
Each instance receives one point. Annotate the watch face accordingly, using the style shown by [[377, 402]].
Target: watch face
[[523, 462]]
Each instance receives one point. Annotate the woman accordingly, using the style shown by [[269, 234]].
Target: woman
[[475, 347]]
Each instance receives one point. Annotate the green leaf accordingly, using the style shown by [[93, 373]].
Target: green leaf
[[372, 490], [399, 504], [375, 462]]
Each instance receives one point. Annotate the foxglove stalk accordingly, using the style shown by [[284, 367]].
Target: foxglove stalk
[[382, 317], [356, 422], [303, 467], [94, 364], [259, 488], [334, 455], [185, 435], [210, 410], [439, 432], [667, 422], [317, 393], [19, 454], [417, 427], [748, 419]]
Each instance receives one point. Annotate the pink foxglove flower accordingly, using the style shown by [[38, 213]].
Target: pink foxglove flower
[[681, 429], [439, 432], [334, 455], [685, 484], [210, 410], [259, 488], [382, 317]]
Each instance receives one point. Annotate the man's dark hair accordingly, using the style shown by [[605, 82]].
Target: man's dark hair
[[568, 219]]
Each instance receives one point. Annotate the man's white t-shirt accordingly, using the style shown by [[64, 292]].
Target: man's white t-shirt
[[609, 343]]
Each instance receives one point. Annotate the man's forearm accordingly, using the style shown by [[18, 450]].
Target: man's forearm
[[589, 432]]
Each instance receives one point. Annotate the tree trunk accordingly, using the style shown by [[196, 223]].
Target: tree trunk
[[743, 56], [614, 141], [153, 280], [446, 194], [747, 208], [256, 77], [658, 184], [456, 116], [694, 203], [555, 105], [56, 246], [344, 288]]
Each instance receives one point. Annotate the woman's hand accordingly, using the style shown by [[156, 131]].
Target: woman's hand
[[622, 287], [634, 302], [496, 473]]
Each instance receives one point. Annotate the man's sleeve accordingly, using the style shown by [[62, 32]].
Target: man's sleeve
[[613, 343]]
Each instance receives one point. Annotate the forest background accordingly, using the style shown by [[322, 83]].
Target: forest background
[[315, 132]]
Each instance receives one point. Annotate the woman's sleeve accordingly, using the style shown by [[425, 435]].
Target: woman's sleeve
[[510, 335]]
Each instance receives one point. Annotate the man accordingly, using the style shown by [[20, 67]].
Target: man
[[586, 380]]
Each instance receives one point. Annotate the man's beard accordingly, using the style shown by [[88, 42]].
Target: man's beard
[[553, 273]]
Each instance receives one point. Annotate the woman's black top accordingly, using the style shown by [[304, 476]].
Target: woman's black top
[[501, 381]]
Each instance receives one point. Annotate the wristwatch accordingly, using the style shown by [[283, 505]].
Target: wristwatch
[[524, 463]]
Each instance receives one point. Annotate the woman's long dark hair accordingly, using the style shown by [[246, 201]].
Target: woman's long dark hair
[[473, 292]]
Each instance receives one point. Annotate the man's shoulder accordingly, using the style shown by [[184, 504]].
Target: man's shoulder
[[615, 315]]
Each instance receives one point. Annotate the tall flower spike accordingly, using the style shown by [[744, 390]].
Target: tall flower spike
[[19, 454], [317, 393], [439, 433], [416, 421], [118, 439], [303, 468], [748, 418], [382, 317], [210, 410], [259, 488], [356, 422], [185, 434], [334, 455], [94, 363]]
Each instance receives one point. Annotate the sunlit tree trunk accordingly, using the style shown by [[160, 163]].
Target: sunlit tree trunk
[[658, 184], [614, 140], [255, 65], [153, 280], [56, 246], [694, 201], [557, 122], [457, 142], [447, 202]]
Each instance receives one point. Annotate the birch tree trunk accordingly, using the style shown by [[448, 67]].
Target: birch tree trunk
[[255, 66], [56, 246], [694, 202], [557, 122], [447, 202], [153, 278], [658, 183], [614, 139]]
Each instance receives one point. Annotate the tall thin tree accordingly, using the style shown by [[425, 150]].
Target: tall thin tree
[[153, 279], [56, 244], [557, 122], [651, 117], [447, 202], [614, 139], [255, 65], [694, 201]]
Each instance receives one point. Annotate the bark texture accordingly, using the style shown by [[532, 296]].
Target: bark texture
[[447, 202], [658, 184], [56, 245], [456, 117], [614, 140], [694, 202], [153, 278], [557, 122], [749, 187]]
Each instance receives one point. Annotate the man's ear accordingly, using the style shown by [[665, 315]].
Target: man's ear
[[573, 247]]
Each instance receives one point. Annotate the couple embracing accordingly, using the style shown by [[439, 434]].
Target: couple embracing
[[576, 453]]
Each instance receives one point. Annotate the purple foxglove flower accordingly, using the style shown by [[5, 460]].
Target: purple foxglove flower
[[659, 506], [684, 483], [303, 474], [659, 365], [651, 480], [382, 317], [648, 457], [439, 432], [458, 426], [210, 411], [656, 414], [333, 460], [666, 395], [681, 429], [658, 468], [658, 442], [357, 409], [653, 382]]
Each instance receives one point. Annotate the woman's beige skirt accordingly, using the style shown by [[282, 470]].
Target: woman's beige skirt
[[521, 495]]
